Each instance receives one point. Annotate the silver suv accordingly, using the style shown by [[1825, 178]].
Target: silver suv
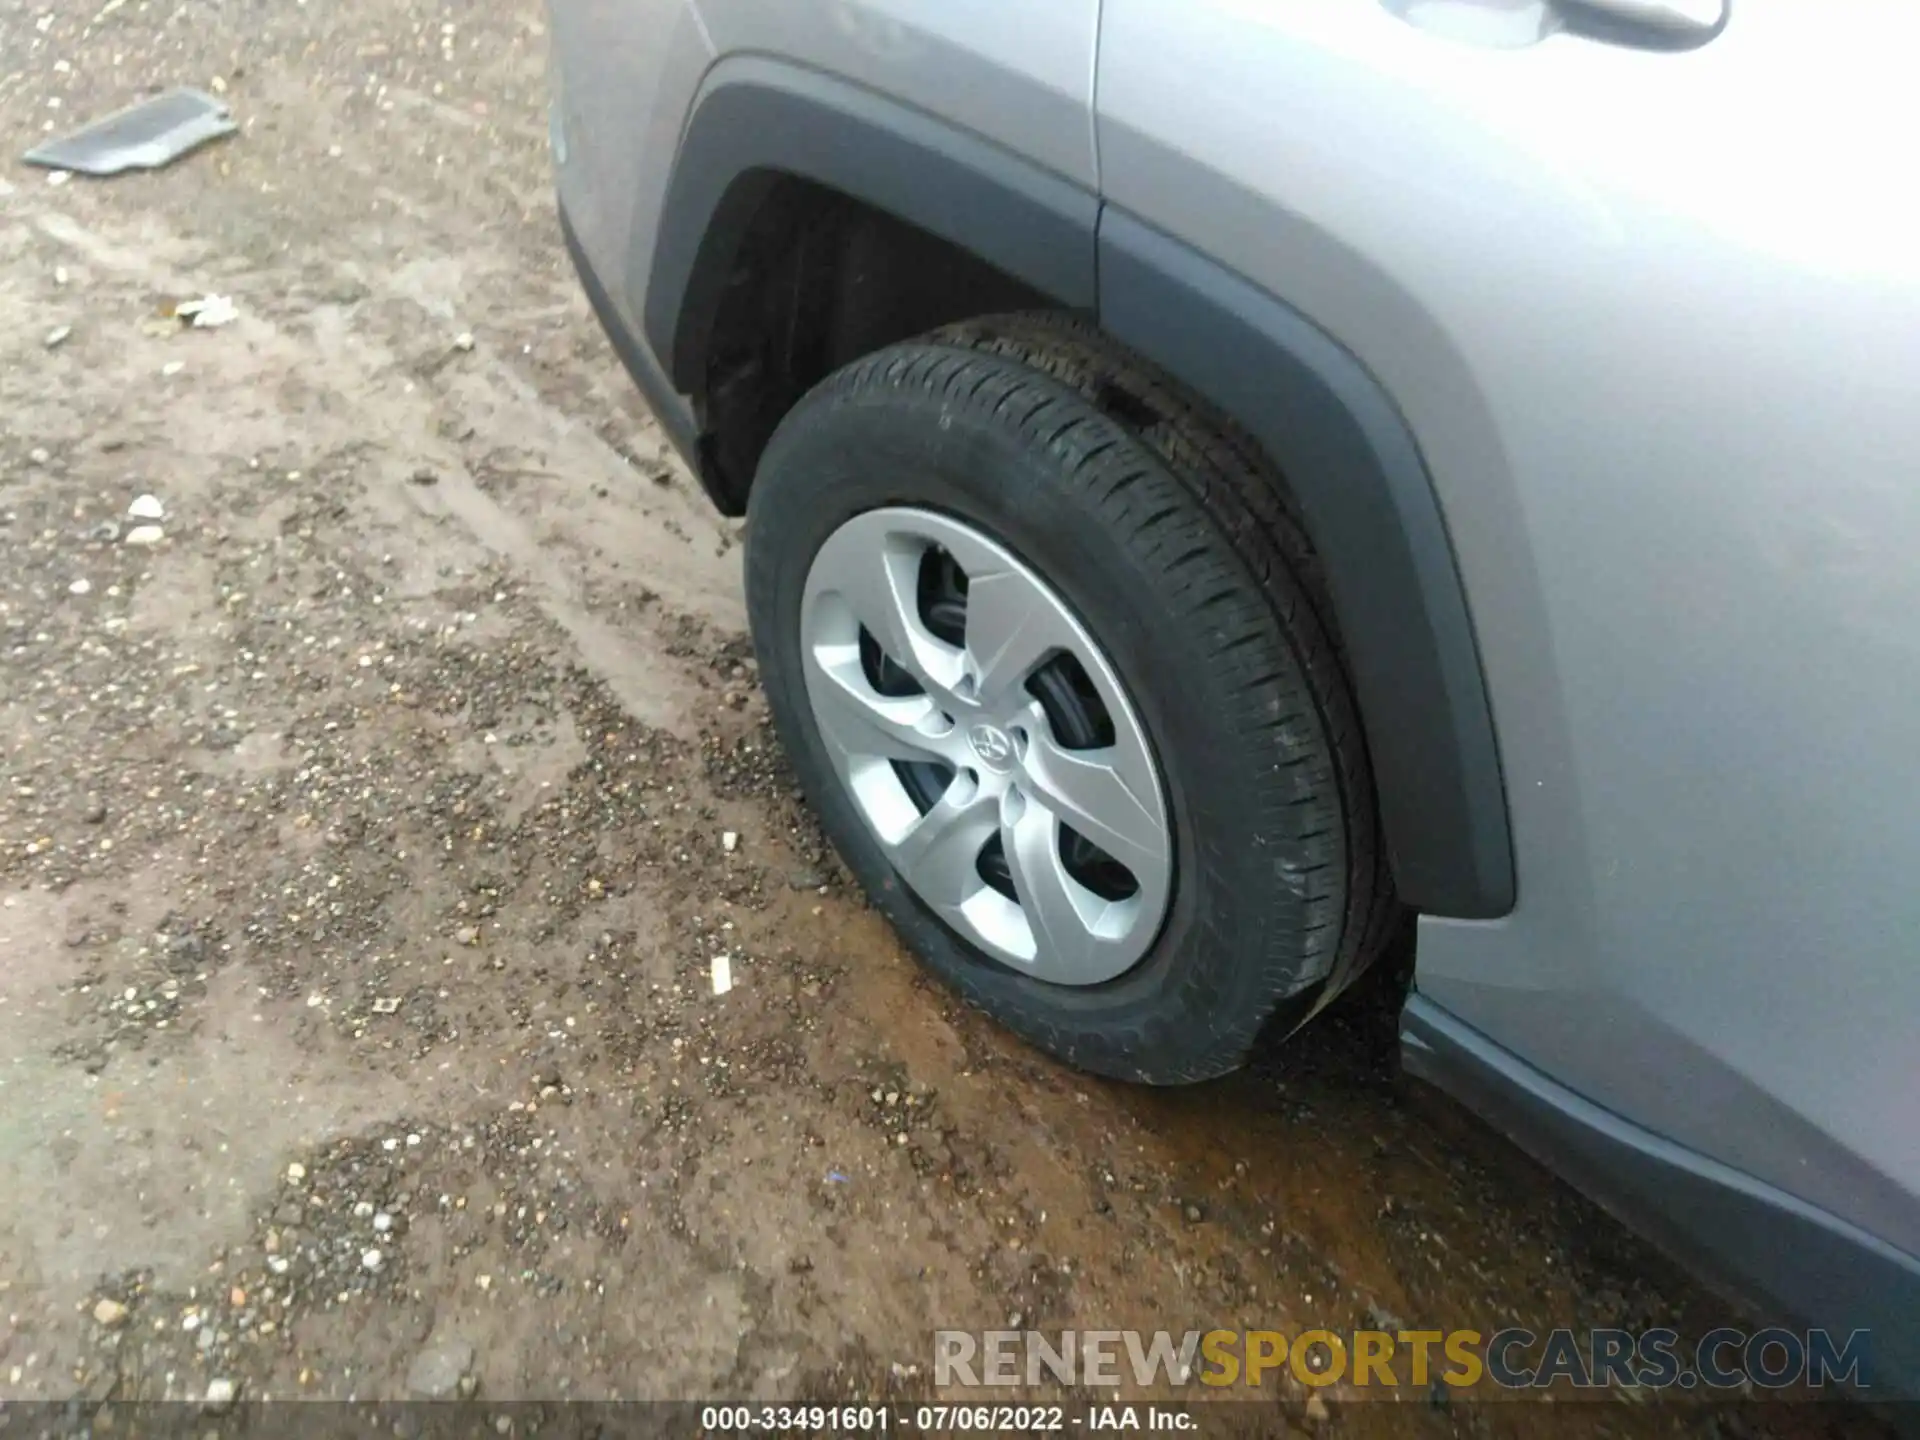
[[1222, 478]]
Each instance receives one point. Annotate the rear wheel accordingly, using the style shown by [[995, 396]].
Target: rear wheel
[[1059, 688]]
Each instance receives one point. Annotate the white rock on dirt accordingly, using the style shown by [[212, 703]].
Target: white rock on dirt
[[109, 1313], [145, 535], [437, 1371], [58, 336], [81, 586], [221, 1395], [146, 507]]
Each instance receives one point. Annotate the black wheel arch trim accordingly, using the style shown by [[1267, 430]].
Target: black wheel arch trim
[[1328, 425], [1797, 1262], [760, 120], [1371, 511]]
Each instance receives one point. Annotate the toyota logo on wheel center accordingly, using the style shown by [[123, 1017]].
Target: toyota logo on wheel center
[[993, 745]]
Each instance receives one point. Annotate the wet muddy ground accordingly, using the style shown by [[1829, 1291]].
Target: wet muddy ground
[[366, 841]]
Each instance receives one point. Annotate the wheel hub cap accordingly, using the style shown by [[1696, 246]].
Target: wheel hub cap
[[1034, 825]]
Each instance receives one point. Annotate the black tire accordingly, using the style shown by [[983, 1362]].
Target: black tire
[[1162, 528]]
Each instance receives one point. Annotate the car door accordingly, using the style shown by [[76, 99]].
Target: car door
[[1644, 313]]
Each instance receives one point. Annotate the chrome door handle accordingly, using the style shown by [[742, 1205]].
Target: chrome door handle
[[1508, 24], [1674, 23], [1495, 24]]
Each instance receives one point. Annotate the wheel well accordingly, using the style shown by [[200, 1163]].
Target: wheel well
[[776, 281], [818, 280]]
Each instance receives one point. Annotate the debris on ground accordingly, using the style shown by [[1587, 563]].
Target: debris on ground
[[57, 336], [146, 136], [146, 507], [145, 535], [438, 1370], [207, 313], [722, 974]]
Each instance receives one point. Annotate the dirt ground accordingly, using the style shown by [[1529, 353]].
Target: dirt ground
[[364, 852]]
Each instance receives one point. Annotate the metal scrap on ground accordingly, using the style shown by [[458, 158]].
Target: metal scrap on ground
[[146, 136], [208, 313]]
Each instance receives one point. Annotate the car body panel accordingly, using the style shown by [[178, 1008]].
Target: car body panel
[[1753, 1239], [1014, 73], [1656, 334], [624, 76]]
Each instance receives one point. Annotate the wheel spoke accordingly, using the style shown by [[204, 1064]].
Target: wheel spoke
[[879, 585], [1013, 627], [1064, 942], [1105, 798], [940, 854], [858, 721]]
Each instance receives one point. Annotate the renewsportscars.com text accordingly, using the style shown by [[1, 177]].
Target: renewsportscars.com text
[[1511, 1358]]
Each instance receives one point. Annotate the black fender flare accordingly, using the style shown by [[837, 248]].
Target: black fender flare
[[760, 121], [1325, 421], [1374, 518]]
